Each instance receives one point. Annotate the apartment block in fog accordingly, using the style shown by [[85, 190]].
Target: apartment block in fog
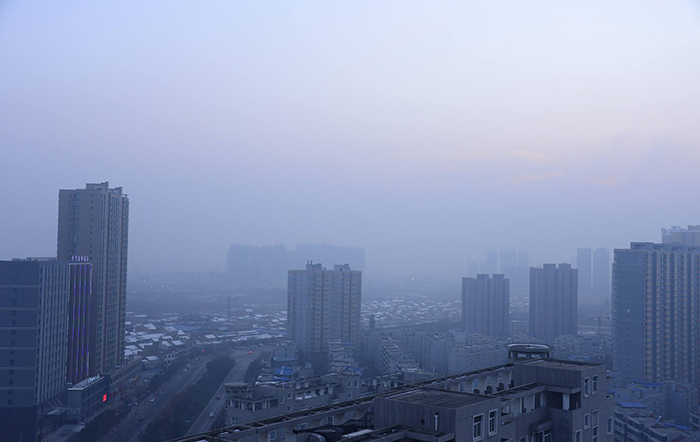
[[34, 298], [585, 272], [601, 272], [553, 301], [656, 312], [94, 223], [485, 305], [679, 235], [323, 305]]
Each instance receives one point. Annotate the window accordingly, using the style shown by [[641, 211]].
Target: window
[[282, 399], [578, 436], [493, 422], [280, 433], [586, 386], [586, 420], [595, 435], [478, 433], [523, 439], [547, 436], [273, 435], [595, 384], [610, 425], [595, 417], [289, 408]]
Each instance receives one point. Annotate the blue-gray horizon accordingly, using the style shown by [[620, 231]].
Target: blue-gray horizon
[[424, 133]]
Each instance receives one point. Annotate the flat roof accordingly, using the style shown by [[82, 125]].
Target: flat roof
[[440, 398], [557, 363]]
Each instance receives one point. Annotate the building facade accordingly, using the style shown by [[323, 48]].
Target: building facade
[[601, 272], [323, 305], [486, 305], [679, 235], [553, 301], [34, 297], [78, 363], [94, 222], [585, 275], [656, 312]]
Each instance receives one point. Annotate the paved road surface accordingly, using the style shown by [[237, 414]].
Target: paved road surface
[[129, 430], [216, 406]]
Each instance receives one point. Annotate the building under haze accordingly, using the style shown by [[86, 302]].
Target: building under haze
[[485, 305], [679, 235], [34, 299], [601, 284], [656, 312], [323, 305], [94, 223], [585, 275], [268, 265], [553, 301]]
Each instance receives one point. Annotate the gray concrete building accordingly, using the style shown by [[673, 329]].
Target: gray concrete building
[[601, 272], [584, 260], [679, 235], [34, 297], [94, 222], [656, 312], [553, 301], [486, 305], [323, 305]]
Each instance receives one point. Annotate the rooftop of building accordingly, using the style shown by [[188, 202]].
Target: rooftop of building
[[559, 363], [439, 398]]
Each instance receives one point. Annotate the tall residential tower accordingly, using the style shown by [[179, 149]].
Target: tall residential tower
[[485, 305], [94, 223], [553, 301], [656, 312], [323, 305]]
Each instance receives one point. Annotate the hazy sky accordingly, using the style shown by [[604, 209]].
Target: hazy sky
[[425, 132]]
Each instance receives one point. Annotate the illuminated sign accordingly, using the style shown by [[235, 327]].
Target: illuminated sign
[[104, 398]]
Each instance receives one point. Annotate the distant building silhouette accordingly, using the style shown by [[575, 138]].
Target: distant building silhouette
[[485, 305], [679, 235], [553, 301], [34, 297], [601, 272], [656, 312], [585, 275], [268, 265], [323, 305], [94, 222]]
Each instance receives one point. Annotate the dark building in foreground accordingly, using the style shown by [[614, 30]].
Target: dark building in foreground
[[528, 400], [553, 301], [78, 363], [94, 223], [485, 305], [34, 296], [656, 312]]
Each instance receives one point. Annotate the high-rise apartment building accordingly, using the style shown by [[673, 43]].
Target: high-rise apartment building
[[323, 305], [553, 301], [78, 363], [585, 275], [656, 312], [485, 305], [601, 272], [679, 235], [490, 266], [34, 298], [94, 222]]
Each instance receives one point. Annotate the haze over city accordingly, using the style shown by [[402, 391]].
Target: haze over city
[[425, 133]]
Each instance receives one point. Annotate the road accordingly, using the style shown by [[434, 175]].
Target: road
[[129, 430], [216, 406]]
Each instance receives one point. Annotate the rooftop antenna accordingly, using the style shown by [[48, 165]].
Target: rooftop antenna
[[229, 308]]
